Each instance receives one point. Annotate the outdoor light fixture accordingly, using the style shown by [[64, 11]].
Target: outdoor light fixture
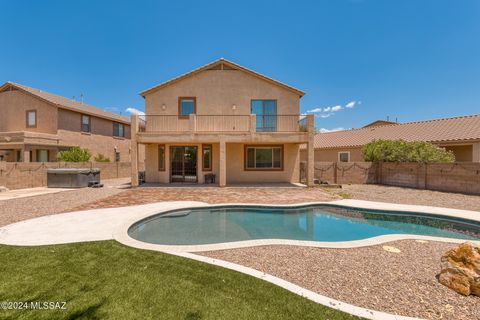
[[164, 107], [234, 107]]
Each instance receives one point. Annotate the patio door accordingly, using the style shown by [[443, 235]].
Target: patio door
[[183, 167]]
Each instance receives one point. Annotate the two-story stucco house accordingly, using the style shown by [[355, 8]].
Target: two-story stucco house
[[222, 120], [35, 125]]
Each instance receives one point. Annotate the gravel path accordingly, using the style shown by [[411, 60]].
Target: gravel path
[[370, 277], [379, 193], [15, 210]]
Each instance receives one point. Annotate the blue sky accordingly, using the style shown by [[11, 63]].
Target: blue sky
[[409, 60]]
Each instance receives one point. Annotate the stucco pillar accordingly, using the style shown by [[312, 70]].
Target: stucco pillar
[[222, 179], [476, 152], [26, 155], [134, 150], [193, 122], [310, 150]]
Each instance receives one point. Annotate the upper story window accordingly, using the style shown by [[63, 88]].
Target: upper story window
[[85, 123], [118, 130], [31, 118], [186, 106], [266, 114]]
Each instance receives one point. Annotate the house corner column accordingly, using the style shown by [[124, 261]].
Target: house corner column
[[310, 150], [476, 152], [134, 150], [26, 154], [222, 181]]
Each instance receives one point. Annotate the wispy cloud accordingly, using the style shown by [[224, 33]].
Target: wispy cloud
[[135, 111], [326, 112], [325, 130], [352, 104]]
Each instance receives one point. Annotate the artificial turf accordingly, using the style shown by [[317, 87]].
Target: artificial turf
[[107, 280]]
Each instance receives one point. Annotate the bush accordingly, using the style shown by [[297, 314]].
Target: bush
[[75, 154], [404, 151], [101, 158]]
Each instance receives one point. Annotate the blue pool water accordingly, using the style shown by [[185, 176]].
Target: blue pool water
[[319, 223]]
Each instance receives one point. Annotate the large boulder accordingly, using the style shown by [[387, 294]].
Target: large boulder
[[461, 269]]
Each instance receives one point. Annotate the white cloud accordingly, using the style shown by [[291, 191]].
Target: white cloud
[[315, 110], [351, 104], [336, 108], [327, 109], [325, 130], [135, 111], [325, 115]]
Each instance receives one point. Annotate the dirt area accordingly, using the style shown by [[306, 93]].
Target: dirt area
[[403, 283], [274, 195], [407, 196], [14, 210]]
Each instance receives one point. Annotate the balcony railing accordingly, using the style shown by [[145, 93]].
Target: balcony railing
[[222, 123]]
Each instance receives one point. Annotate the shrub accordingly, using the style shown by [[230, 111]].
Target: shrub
[[101, 158], [404, 151], [75, 154]]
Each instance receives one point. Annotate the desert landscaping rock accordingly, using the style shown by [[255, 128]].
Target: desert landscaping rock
[[404, 283], [461, 269]]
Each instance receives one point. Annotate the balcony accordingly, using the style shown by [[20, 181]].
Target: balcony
[[223, 124]]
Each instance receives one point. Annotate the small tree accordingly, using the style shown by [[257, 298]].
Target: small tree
[[75, 154], [404, 151], [101, 158]]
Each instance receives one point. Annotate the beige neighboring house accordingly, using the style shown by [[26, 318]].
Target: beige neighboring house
[[461, 135], [36, 125], [226, 121]]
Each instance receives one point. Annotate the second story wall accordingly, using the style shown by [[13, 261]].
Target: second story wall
[[71, 121], [13, 113], [216, 91]]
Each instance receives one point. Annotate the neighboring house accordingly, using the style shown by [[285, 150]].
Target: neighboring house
[[36, 125], [225, 120], [461, 135]]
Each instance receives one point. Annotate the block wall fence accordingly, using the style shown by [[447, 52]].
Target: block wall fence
[[460, 177], [19, 175]]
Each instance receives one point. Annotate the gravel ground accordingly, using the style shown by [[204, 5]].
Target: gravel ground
[[15, 210], [379, 193], [274, 195], [404, 283]]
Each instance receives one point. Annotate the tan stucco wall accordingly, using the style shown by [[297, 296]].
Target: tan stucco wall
[[331, 155], [13, 108], [217, 90], [96, 144], [235, 165], [69, 120], [462, 153]]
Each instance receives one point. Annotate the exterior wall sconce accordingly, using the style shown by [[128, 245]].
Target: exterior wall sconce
[[234, 107], [164, 107]]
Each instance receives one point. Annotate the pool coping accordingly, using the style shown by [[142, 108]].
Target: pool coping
[[121, 234]]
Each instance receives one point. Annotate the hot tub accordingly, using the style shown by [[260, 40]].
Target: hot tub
[[72, 178]]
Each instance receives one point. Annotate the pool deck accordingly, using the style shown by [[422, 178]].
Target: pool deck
[[113, 223]]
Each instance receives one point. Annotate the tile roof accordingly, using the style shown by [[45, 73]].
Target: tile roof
[[229, 64], [438, 130], [66, 103]]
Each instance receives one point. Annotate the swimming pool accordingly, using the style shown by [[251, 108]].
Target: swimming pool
[[220, 224]]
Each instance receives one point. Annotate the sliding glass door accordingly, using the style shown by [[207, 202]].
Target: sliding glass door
[[183, 166]]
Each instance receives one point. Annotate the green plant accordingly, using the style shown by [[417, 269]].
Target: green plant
[[345, 195], [101, 158], [405, 151], [75, 154]]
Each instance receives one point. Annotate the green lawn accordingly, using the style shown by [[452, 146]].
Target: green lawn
[[106, 280]]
